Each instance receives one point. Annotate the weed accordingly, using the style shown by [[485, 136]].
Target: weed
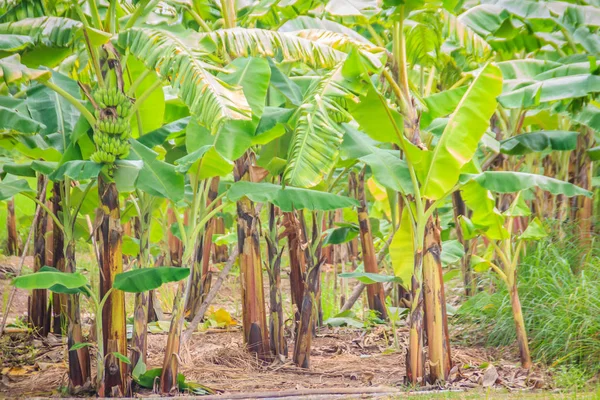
[[559, 286]]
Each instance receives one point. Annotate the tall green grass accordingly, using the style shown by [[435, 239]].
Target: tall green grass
[[559, 287]]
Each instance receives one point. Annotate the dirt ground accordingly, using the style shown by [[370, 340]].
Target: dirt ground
[[340, 358]]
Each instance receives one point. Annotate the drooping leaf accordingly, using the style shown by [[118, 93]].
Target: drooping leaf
[[11, 187], [518, 208], [539, 141], [19, 169], [175, 58], [130, 246], [60, 288], [53, 31], [77, 170], [486, 216], [305, 22], [377, 118], [339, 235], [390, 171], [126, 174], [316, 141], [452, 252], [12, 71], [157, 177], [244, 42], [144, 279], [158, 136], [53, 110], [81, 345], [315, 147], [360, 9], [553, 89], [461, 137], [121, 357], [510, 182], [14, 11], [150, 114], [253, 75], [147, 379], [185, 163], [442, 104], [284, 85], [289, 198], [48, 279], [594, 153], [12, 120]]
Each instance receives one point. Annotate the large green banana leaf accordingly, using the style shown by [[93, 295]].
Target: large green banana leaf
[[140, 280], [317, 137], [18, 10], [402, 249], [510, 182], [53, 110], [48, 278], [52, 31], [240, 42], [305, 22], [589, 116], [12, 186], [157, 177], [176, 57], [12, 120], [14, 43], [553, 89], [485, 215], [77, 170], [289, 198], [12, 71], [539, 141], [463, 132]]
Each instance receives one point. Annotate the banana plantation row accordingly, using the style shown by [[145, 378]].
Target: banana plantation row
[[409, 132]]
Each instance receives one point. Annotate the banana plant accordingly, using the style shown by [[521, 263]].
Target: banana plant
[[507, 231], [74, 283], [55, 152], [287, 200]]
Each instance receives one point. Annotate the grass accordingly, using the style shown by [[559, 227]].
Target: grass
[[496, 394], [559, 287]]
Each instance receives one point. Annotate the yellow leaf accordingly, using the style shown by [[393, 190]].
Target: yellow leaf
[[222, 317], [376, 190], [18, 371], [402, 250]]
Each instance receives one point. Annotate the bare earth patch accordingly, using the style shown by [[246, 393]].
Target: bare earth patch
[[341, 358]]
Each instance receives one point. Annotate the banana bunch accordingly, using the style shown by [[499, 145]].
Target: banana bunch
[[101, 156], [113, 126], [113, 97], [338, 109], [111, 133]]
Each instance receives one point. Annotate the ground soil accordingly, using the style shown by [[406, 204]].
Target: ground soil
[[340, 358]]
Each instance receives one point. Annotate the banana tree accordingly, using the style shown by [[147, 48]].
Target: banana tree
[[73, 283], [55, 142], [556, 46], [507, 238], [429, 178], [289, 199], [110, 121]]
